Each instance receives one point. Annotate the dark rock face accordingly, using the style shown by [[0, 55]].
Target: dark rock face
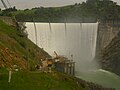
[[107, 31], [108, 46], [110, 59]]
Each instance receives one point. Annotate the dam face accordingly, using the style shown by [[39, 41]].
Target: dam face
[[70, 39]]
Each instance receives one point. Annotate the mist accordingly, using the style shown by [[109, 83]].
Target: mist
[[77, 39]]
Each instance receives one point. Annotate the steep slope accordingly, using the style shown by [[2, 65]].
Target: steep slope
[[45, 81], [111, 56], [16, 49], [107, 31]]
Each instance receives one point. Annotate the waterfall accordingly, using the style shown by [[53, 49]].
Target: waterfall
[[35, 33], [50, 27], [65, 29], [77, 39]]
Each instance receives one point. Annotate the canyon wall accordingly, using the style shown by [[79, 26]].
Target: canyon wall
[[108, 46], [107, 31]]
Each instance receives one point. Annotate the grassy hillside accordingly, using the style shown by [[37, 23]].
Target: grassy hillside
[[44, 81], [39, 81], [16, 49]]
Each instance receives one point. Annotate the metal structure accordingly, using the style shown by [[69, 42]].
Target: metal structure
[[9, 4], [5, 6]]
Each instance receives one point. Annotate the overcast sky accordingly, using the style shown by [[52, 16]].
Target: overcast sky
[[22, 4]]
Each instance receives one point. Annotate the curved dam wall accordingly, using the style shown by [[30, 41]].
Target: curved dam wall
[[107, 31], [70, 39]]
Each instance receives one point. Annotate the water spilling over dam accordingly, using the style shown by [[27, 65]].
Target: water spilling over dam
[[70, 39]]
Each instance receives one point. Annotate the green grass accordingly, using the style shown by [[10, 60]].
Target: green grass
[[12, 40], [3, 70], [38, 81], [102, 77], [18, 43]]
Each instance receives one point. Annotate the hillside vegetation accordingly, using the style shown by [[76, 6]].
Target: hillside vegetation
[[44, 81], [89, 11], [17, 49], [39, 81]]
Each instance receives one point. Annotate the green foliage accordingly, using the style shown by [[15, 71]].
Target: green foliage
[[7, 12], [38, 81], [3, 70], [18, 43], [88, 11]]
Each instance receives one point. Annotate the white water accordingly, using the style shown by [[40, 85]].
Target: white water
[[101, 77], [79, 40]]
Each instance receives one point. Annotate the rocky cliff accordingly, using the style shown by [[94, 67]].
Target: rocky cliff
[[107, 31], [108, 46], [110, 57]]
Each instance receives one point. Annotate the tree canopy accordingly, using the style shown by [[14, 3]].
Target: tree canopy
[[89, 11]]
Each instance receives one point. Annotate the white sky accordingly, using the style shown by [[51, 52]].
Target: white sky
[[22, 4]]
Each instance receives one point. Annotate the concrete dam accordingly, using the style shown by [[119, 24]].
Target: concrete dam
[[67, 39]]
